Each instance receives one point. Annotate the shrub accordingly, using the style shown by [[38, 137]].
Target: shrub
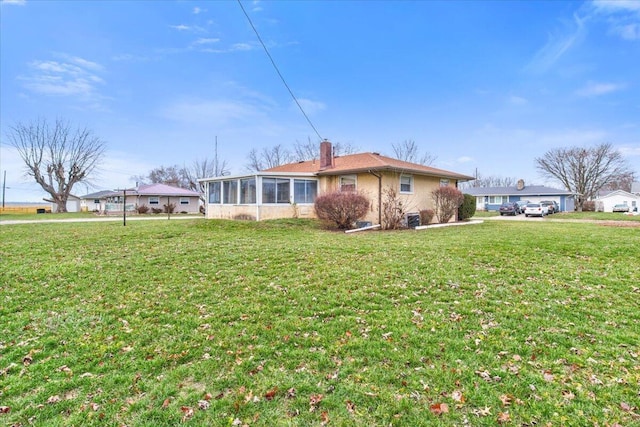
[[169, 207], [142, 209], [589, 206], [156, 210], [393, 211], [426, 216], [468, 207], [447, 200], [341, 208]]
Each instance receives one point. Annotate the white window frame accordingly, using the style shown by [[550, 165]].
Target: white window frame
[[444, 182], [184, 201], [353, 178], [410, 183], [154, 200]]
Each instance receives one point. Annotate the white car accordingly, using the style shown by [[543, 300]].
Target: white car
[[536, 209]]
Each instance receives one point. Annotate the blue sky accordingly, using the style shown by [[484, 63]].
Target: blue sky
[[486, 86]]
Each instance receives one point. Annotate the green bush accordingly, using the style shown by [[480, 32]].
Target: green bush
[[468, 207], [342, 208]]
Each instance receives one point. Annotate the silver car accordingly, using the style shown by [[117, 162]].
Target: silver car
[[536, 209]]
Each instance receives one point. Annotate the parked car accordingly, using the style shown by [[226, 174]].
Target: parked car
[[621, 208], [509, 209], [550, 206], [522, 204], [536, 209]]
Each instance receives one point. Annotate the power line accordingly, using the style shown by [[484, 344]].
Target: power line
[[278, 71]]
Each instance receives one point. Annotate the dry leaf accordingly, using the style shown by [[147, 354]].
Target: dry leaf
[[271, 393], [439, 408], [291, 393], [504, 417], [548, 376], [203, 405], [54, 399], [314, 401], [166, 403], [626, 407], [5, 409], [187, 413], [94, 406], [351, 407], [506, 399], [26, 361], [208, 396], [457, 396], [325, 418]]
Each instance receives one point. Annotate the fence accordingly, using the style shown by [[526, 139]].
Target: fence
[[24, 209]]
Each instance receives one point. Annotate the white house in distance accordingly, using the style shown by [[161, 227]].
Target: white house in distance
[[607, 200], [151, 195]]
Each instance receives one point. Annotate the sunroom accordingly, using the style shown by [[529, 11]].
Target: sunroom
[[261, 196]]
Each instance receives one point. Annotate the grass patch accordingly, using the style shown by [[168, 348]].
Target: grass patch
[[597, 216], [283, 323]]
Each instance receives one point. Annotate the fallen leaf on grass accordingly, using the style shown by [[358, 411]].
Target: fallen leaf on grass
[[548, 376], [439, 408], [457, 396], [187, 413], [351, 407], [5, 409], [166, 403], [314, 401], [26, 361], [482, 412], [506, 399], [94, 407], [325, 418], [271, 393], [291, 393], [503, 417], [53, 399], [203, 405]]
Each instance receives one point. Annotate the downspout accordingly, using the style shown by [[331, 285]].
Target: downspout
[[379, 176]]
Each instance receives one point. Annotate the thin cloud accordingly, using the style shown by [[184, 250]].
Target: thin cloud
[[465, 159], [180, 27], [14, 2], [196, 10], [74, 78], [517, 100], [597, 89], [558, 45], [310, 107], [622, 16], [202, 41]]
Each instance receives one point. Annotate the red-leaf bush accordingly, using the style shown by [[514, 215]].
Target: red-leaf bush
[[341, 208], [426, 216], [446, 200]]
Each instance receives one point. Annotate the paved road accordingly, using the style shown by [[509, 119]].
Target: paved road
[[99, 219]]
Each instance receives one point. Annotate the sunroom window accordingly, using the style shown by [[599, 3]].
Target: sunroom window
[[305, 190], [275, 190]]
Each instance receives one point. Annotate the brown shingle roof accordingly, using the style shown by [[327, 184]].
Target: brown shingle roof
[[364, 162]]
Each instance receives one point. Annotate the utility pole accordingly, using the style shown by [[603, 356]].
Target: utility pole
[[4, 185]]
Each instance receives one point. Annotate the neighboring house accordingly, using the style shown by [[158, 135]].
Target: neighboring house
[[290, 190], [73, 204], [635, 188], [94, 202], [606, 200], [151, 195], [490, 198]]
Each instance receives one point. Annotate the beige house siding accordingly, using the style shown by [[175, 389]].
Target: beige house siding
[[259, 212], [367, 184]]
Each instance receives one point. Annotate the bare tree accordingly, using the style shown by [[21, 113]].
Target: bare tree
[[311, 150], [170, 175], [446, 200], [622, 182], [57, 156], [204, 169], [268, 158], [583, 171], [408, 151], [489, 181]]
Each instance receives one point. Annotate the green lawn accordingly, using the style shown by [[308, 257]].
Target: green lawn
[[216, 323]]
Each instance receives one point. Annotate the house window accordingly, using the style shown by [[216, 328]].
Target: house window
[[214, 192], [348, 183], [248, 190], [444, 182], [96, 201], [305, 190], [497, 200], [230, 192], [275, 190], [184, 200], [406, 184], [154, 200]]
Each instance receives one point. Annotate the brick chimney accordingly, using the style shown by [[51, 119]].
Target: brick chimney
[[326, 155]]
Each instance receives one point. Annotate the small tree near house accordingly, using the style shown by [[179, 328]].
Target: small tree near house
[[446, 201], [393, 210], [341, 208]]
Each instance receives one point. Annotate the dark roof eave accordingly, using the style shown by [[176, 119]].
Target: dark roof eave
[[455, 176]]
